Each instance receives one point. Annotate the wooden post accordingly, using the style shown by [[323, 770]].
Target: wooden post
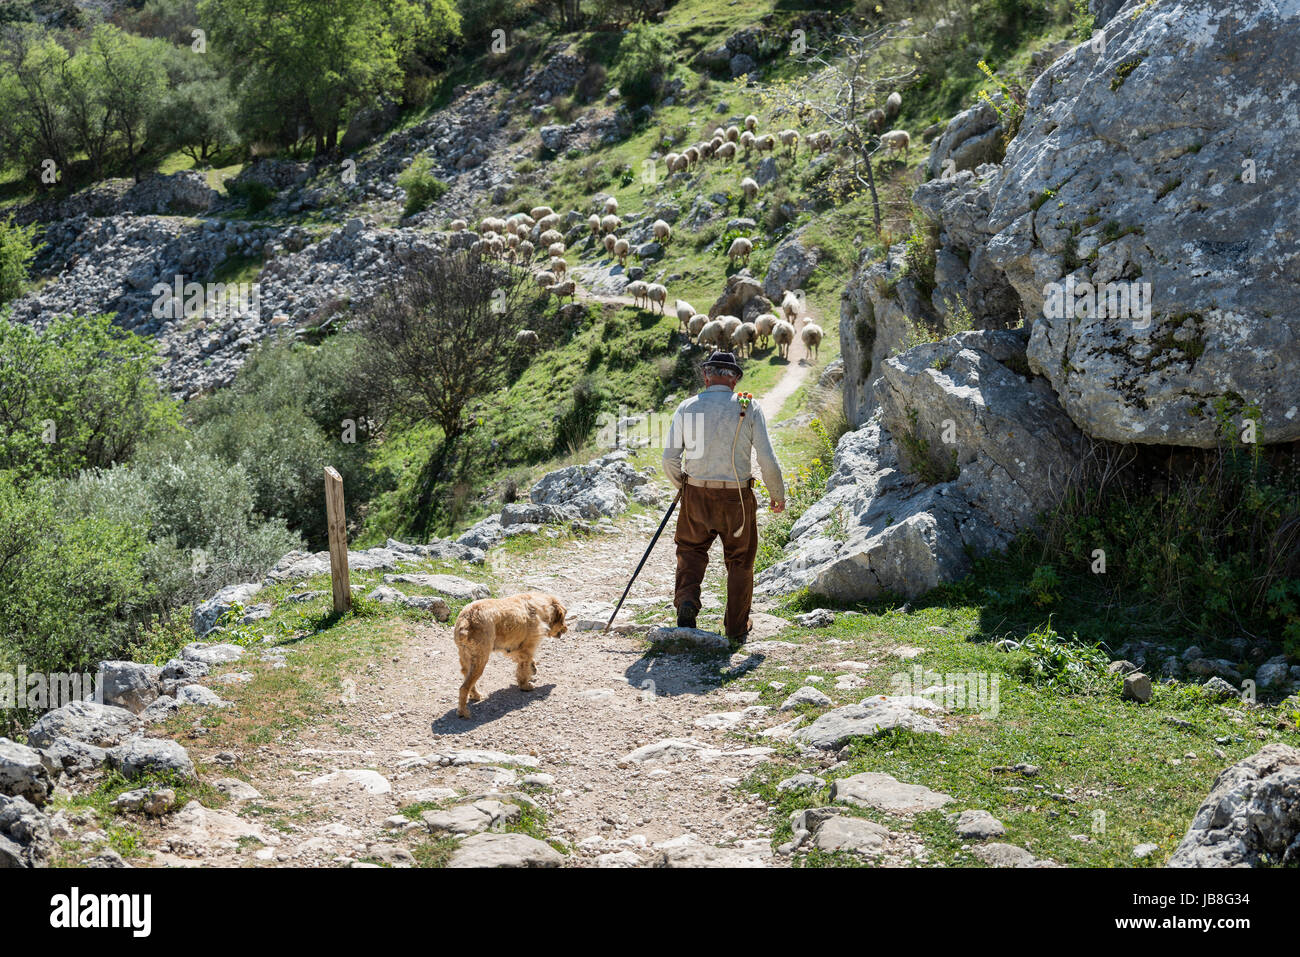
[[338, 532]]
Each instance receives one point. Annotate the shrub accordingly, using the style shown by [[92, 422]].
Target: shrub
[[421, 186], [16, 253], [257, 196], [644, 58]]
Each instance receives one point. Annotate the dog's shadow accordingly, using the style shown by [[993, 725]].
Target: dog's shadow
[[496, 704]]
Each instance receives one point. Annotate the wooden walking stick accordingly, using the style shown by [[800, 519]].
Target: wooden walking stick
[[667, 515]]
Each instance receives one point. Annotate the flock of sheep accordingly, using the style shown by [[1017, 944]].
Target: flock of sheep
[[508, 239]]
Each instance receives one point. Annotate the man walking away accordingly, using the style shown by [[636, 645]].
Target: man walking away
[[707, 456]]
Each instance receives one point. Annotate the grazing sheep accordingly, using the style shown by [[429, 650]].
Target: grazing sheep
[[564, 290], [550, 236], [749, 188], [512, 240], [897, 140], [812, 338], [611, 206], [555, 249], [791, 305], [692, 155], [729, 324], [559, 266], [512, 227], [732, 134], [727, 151], [497, 247], [593, 223], [765, 143], [549, 222], [526, 337], [492, 225], [525, 220], [656, 293], [893, 104], [819, 142], [541, 212], [680, 165], [525, 251], [695, 324], [610, 223], [637, 290], [751, 122], [622, 249], [684, 311], [740, 249], [719, 133], [671, 161], [547, 279], [715, 145], [458, 226], [711, 334], [783, 336], [763, 326], [662, 231], [743, 338], [705, 150], [747, 140], [876, 120], [789, 139], [611, 243]]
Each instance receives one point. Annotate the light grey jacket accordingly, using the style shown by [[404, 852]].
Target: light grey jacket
[[700, 441]]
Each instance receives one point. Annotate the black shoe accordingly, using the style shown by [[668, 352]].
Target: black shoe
[[737, 641], [686, 614]]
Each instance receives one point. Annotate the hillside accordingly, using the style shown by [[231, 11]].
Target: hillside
[[1038, 580]]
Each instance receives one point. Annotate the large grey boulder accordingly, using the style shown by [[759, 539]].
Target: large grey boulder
[[89, 722], [140, 756], [72, 757], [1251, 816], [1161, 156], [971, 138], [505, 850], [454, 587], [962, 453], [595, 490], [791, 264], [208, 613], [129, 684], [22, 773], [24, 834], [883, 792], [836, 728]]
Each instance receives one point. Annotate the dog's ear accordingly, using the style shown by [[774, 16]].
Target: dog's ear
[[558, 613]]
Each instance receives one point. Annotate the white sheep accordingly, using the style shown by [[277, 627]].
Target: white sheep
[[550, 236], [656, 293], [458, 226], [622, 249], [549, 222], [819, 142], [791, 305], [637, 290], [526, 337], [729, 325], [692, 156], [751, 122], [695, 324], [611, 243], [743, 338], [789, 139], [564, 290], [763, 326], [875, 119], [684, 311], [726, 151], [749, 188], [783, 336], [812, 338], [610, 223], [593, 223], [546, 279], [705, 150], [662, 231], [680, 165], [492, 225], [558, 266], [525, 251], [512, 240], [711, 334], [897, 140], [719, 133], [555, 249], [765, 143], [893, 104], [740, 249], [732, 134], [670, 161], [611, 206], [540, 212]]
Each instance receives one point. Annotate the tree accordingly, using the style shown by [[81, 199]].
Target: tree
[[34, 124], [125, 82], [196, 116], [857, 72]]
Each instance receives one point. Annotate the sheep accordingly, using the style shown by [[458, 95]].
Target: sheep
[[662, 231], [524, 220], [680, 165], [558, 266], [546, 279], [497, 246], [512, 227], [706, 150], [526, 337], [897, 140], [611, 243], [458, 226], [727, 151], [593, 223], [692, 156], [729, 326], [711, 334], [749, 188], [622, 249], [783, 336], [549, 222], [719, 133], [740, 249], [812, 338], [550, 236], [564, 290], [791, 306], [819, 142], [555, 249], [492, 225], [611, 206], [541, 212], [610, 223], [637, 290], [765, 143], [656, 293], [743, 338], [695, 324], [893, 104], [763, 326], [525, 251], [747, 140], [789, 139], [751, 123], [513, 241], [875, 120], [670, 161], [684, 311], [732, 134]]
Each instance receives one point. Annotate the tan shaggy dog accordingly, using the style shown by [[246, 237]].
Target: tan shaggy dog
[[514, 626]]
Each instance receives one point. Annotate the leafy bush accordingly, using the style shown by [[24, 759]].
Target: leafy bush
[[257, 196], [421, 186], [644, 58], [1056, 662], [16, 253]]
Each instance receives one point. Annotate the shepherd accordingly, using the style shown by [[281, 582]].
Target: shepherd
[[711, 443]]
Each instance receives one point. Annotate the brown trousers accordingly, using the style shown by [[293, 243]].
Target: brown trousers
[[707, 513]]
